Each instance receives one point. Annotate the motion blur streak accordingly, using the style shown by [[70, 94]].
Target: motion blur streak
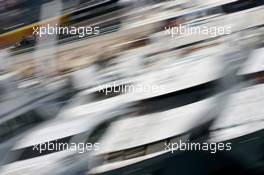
[[149, 87]]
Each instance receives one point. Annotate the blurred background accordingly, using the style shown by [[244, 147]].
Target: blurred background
[[66, 89]]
